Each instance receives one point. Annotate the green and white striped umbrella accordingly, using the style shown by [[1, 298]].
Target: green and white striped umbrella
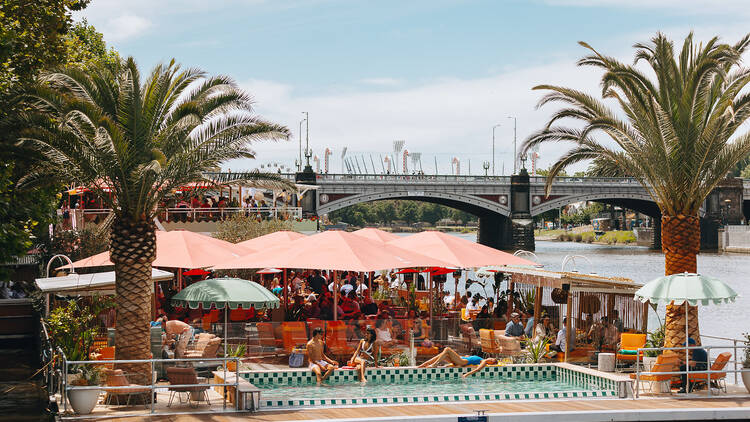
[[226, 292], [692, 288]]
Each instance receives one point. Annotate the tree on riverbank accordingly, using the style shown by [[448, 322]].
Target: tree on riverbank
[[678, 134], [140, 140]]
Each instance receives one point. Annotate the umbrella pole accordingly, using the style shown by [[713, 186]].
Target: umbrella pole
[[335, 295], [226, 309], [429, 292], [687, 352]]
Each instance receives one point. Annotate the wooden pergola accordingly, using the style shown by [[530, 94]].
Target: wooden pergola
[[614, 294]]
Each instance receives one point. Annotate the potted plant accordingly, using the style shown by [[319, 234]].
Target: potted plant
[[84, 401], [237, 352], [655, 339], [746, 363], [400, 359], [535, 350]]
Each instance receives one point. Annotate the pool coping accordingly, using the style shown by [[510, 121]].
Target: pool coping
[[600, 385]]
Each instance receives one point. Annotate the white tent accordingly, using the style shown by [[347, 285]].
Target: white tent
[[89, 284]]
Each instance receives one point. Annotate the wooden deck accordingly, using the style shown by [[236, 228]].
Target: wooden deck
[[537, 409]]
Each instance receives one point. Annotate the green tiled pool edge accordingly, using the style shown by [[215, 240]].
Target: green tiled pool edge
[[598, 387]]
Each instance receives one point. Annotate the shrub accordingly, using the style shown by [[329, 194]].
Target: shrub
[[240, 228], [579, 237]]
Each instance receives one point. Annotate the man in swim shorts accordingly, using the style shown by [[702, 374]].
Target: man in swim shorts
[[321, 365], [451, 356]]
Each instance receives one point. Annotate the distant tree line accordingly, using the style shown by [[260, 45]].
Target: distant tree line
[[388, 211]]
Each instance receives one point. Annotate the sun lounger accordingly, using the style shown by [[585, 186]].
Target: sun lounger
[[629, 345], [664, 363], [293, 334], [490, 345], [720, 378]]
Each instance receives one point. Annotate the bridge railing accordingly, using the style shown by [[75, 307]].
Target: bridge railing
[[416, 178]]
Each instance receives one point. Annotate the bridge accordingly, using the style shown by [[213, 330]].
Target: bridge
[[505, 205]]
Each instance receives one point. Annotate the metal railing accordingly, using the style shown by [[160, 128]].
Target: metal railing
[[420, 178], [735, 346], [215, 214], [152, 385], [687, 370]]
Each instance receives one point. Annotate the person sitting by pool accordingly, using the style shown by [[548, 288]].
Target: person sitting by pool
[[515, 328], [365, 354], [451, 356], [544, 329], [383, 332], [562, 339], [320, 364], [698, 362]]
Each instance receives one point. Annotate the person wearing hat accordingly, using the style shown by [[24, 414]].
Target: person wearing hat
[[698, 362], [515, 328]]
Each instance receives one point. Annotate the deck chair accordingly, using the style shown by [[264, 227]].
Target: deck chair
[[117, 378], [629, 345], [720, 378], [509, 346], [664, 363], [490, 346], [186, 376], [336, 339], [293, 334], [182, 344]]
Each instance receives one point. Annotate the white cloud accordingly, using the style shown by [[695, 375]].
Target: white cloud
[[124, 27], [382, 81], [448, 117]]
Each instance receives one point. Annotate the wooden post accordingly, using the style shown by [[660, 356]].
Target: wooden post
[[429, 294], [511, 302], [286, 295], [568, 324], [369, 282], [537, 308], [644, 320], [610, 305]]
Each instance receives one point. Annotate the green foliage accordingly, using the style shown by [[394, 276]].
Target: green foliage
[[237, 352], [77, 244], [88, 375], [85, 46], [72, 327], [145, 138], [655, 339], [675, 127], [22, 216], [239, 228], [535, 350], [745, 174], [385, 212], [32, 37], [746, 360]]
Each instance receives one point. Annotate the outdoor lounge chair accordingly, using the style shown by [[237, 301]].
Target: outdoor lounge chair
[[209, 350], [629, 345], [293, 334], [509, 346], [117, 378], [664, 363], [182, 343], [186, 376], [469, 336], [720, 378], [490, 345]]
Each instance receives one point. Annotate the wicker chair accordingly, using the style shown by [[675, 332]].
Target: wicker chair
[[117, 378], [186, 376]]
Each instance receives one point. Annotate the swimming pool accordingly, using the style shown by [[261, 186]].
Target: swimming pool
[[297, 388]]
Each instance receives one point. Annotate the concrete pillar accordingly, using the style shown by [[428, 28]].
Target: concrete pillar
[[309, 202], [495, 231], [520, 207]]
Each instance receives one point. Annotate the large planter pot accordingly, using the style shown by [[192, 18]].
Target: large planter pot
[[746, 380], [83, 401], [648, 362]]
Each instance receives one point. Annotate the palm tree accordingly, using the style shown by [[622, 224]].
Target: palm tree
[[677, 133], [105, 129]]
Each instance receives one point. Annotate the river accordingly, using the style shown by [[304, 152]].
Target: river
[[642, 265]]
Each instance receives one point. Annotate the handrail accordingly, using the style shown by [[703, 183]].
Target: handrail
[[687, 370], [152, 384]]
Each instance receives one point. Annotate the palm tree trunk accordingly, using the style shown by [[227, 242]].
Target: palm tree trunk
[[681, 243], [132, 250]]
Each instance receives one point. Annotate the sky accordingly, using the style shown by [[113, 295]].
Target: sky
[[436, 74]]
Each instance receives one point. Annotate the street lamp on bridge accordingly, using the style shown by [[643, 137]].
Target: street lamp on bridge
[[493, 147], [515, 159]]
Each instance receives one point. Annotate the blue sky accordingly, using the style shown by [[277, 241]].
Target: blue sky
[[437, 74]]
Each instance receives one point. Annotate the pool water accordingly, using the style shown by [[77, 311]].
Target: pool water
[[415, 388]]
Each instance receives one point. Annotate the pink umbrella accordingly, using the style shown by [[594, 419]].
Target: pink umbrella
[[455, 251], [179, 249], [333, 250], [268, 271], [376, 234], [271, 240]]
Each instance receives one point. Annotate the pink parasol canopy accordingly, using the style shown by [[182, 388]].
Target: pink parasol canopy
[[179, 249], [271, 240], [333, 250], [456, 252], [376, 234], [268, 271]]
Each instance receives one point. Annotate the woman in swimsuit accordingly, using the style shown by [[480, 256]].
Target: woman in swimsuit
[[365, 354], [451, 356]]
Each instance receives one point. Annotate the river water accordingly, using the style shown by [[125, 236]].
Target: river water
[[642, 265]]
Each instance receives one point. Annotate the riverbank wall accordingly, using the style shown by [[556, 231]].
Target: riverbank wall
[[734, 239]]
